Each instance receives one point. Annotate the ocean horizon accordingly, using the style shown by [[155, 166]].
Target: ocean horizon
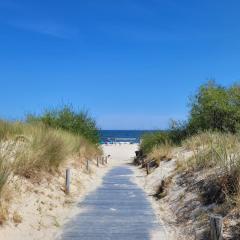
[[123, 135]]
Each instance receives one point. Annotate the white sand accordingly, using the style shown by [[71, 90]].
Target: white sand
[[149, 183], [120, 153], [44, 207]]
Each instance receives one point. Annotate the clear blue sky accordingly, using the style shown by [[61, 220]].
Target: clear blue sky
[[132, 63]]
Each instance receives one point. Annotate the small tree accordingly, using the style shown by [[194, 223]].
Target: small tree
[[177, 131], [215, 108]]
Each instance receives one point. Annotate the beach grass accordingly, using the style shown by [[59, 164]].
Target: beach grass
[[221, 153], [28, 150], [161, 152]]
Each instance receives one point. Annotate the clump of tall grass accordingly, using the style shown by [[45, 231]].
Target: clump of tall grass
[[8, 129], [161, 152], [44, 150], [4, 171], [37, 147], [221, 152], [213, 149]]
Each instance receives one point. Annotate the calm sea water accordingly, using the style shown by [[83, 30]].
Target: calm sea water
[[122, 135]]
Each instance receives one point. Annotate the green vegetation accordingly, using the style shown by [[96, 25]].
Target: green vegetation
[[212, 108], [221, 152], [208, 162], [42, 145], [30, 148], [161, 152], [215, 108], [151, 140], [78, 123]]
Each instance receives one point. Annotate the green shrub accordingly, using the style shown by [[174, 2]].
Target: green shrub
[[216, 108], [177, 131], [150, 140], [79, 123]]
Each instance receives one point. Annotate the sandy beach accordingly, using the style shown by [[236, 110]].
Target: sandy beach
[[43, 208]]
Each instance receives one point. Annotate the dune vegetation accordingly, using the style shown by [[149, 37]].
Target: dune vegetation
[[211, 136], [213, 108], [219, 152], [38, 146]]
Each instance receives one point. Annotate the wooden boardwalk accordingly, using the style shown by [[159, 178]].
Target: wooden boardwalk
[[118, 210]]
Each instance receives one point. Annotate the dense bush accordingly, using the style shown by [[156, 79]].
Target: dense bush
[[178, 131], [215, 108], [66, 118]]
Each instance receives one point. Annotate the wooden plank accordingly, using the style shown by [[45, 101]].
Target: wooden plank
[[112, 213], [67, 187], [147, 168], [87, 166], [97, 162], [216, 227]]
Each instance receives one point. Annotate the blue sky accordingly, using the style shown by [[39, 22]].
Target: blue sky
[[132, 63]]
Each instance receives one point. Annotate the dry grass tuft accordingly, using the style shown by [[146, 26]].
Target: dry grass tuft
[[161, 152], [40, 148], [8, 130], [17, 218], [221, 152], [3, 212], [45, 150], [162, 190], [4, 170]]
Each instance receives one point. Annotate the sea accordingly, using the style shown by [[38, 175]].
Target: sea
[[133, 136]]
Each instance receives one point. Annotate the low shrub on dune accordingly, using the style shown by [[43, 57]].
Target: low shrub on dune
[[154, 139], [67, 118]]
